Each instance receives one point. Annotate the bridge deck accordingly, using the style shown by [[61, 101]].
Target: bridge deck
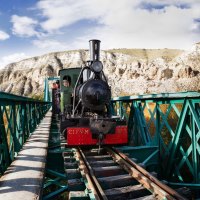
[[24, 178]]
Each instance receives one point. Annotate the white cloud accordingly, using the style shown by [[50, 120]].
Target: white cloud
[[125, 23], [24, 26], [12, 58], [142, 28], [49, 44], [63, 13], [3, 35]]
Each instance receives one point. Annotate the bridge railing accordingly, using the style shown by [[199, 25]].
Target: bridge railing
[[19, 116], [171, 122]]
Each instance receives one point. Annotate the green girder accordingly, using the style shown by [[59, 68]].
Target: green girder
[[171, 122], [19, 116]]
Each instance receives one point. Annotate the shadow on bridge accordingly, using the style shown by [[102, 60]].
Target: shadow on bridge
[[24, 178]]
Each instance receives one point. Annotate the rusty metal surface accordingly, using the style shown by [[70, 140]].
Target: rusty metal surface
[[86, 173], [117, 177], [109, 174], [95, 184], [159, 189]]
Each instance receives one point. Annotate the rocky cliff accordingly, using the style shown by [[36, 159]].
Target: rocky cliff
[[129, 71]]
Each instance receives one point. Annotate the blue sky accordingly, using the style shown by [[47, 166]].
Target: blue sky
[[34, 27]]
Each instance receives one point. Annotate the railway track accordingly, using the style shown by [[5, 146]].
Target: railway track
[[110, 174]]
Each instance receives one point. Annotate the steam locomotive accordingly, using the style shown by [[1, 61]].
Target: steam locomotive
[[84, 99]]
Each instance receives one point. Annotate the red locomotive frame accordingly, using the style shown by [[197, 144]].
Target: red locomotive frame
[[83, 136]]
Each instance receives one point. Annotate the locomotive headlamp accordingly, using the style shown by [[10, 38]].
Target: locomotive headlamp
[[97, 66]]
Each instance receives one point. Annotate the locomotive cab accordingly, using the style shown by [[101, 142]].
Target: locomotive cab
[[68, 78]]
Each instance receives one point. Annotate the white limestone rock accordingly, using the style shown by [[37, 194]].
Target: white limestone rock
[[129, 71]]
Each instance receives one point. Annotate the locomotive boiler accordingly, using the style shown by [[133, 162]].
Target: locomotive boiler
[[85, 102]]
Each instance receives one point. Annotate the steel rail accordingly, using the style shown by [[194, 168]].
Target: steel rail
[[95, 186], [151, 183], [84, 171], [159, 190]]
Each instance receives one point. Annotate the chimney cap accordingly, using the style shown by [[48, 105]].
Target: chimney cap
[[95, 40]]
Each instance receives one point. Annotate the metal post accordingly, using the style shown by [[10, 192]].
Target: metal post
[[4, 145], [46, 90]]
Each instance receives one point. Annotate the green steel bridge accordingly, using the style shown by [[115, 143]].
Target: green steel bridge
[[164, 134]]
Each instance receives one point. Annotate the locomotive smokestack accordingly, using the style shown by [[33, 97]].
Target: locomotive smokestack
[[94, 50]]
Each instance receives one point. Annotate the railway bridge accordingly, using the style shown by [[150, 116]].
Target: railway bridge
[[161, 160]]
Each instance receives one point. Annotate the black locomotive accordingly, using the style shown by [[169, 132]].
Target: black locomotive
[[85, 100]]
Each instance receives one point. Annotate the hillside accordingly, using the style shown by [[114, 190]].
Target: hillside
[[129, 71]]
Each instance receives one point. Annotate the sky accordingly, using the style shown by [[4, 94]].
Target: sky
[[35, 27]]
